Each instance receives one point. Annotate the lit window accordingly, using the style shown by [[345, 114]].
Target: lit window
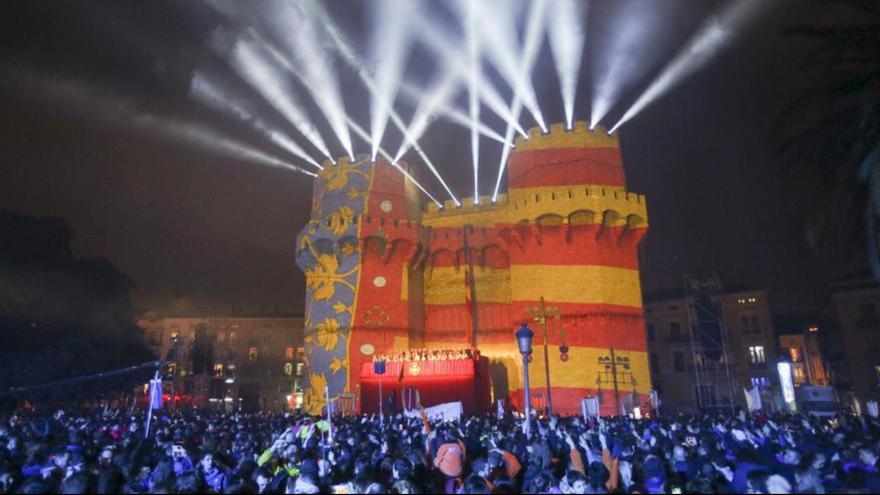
[[253, 353], [798, 374], [218, 369], [299, 369], [288, 354], [288, 369], [756, 354], [233, 337], [795, 354]]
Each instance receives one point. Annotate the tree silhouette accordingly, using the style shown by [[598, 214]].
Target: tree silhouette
[[830, 134], [60, 316]]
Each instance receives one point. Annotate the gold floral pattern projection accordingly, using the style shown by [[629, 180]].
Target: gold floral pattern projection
[[329, 255]]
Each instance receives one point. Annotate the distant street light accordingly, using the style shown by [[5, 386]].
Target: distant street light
[[610, 373]]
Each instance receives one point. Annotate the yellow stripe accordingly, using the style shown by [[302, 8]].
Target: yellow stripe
[[445, 285], [589, 284]]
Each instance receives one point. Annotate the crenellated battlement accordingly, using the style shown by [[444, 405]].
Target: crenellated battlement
[[530, 204], [557, 136], [341, 162], [467, 205]]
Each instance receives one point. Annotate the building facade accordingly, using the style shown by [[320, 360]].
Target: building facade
[[799, 343], [248, 362], [850, 336], [750, 344], [384, 273]]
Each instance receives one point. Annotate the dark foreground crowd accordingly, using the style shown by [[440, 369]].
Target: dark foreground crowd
[[199, 451]]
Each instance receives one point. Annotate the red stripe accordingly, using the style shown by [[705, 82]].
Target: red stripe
[[559, 167]]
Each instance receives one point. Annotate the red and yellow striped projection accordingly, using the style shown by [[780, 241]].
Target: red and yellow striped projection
[[567, 231]]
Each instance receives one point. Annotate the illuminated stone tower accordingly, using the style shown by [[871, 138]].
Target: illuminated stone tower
[[382, 273]]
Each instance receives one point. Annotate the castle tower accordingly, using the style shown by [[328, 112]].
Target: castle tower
[[356, 251], [567, 231]]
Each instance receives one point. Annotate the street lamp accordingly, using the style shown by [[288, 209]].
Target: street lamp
[[524, 340], [540, 314], [610, 374]]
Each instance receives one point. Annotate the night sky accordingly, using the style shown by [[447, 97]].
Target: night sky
[[218, 234]]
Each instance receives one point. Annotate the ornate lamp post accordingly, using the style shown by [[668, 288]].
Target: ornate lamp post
[[612, 370], [540, 314], [524, 340]]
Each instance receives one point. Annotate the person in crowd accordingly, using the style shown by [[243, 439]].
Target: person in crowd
[[198, 451]]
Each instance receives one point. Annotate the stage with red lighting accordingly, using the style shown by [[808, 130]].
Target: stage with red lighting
[[437, 382]]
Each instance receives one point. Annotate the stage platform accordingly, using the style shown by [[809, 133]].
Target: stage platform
[[465, 380]]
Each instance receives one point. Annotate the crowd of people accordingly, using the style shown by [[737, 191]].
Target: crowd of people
[[428, 355], [199, 451]]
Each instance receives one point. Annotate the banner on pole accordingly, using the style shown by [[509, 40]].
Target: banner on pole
[[590, 407], [156, 394], [753, 399]]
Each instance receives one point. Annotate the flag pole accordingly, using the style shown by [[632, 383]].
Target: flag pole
[[152, 392]]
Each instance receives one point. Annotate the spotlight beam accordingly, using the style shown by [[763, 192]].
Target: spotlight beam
[[249, 62], [366, 137], [499, 37], [221, 99], [438, 41], [118, 112], [387, 49], [314, 66], [528, 57], [628, 54], [453, 114], [309, 84], [439, 95], [505, 150], [701, 48], [473, 96], [348, 54], [567, 37]]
